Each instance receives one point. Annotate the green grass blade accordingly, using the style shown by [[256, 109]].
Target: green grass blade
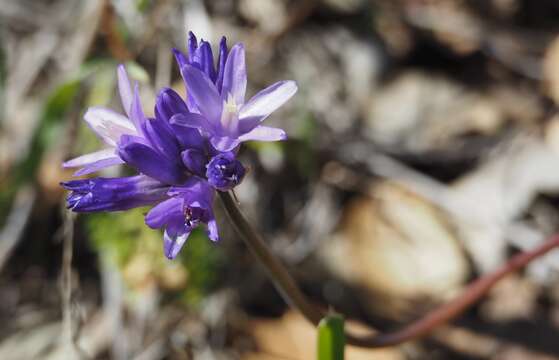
[[331, 340]]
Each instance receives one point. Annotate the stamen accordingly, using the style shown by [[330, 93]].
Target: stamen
[[194, 215], [189, 217]]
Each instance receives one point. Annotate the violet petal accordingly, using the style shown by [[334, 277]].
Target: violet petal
[[195, 161], [179, 57], [213, 232], [173, 244], [192, 43], [191, 120], [113, 194], [169, 103], [162, 138], [108, 124], [268, 100], [98, 165], [136, 113], [90, 158], [222, 58], [124, 89], [203, 92], [224, 143], [189, 138], [149, 162], [264, 133], [161, 214], [234, 75]]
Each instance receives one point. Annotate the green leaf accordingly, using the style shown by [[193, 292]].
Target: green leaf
[[331, 339]]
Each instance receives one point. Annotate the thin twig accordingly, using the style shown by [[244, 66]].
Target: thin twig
[[446, 312], [68, 337], [67, 253]]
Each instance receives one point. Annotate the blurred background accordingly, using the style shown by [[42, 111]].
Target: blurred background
[[423, 152]]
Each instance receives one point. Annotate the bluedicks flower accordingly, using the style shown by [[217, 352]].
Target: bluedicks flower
[[186, 152], [169, 179], [216, 98]]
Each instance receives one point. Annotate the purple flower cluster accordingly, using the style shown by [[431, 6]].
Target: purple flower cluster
[[187, 152]]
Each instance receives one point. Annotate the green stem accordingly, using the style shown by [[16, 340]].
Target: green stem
[[293, 295], [331, 338]]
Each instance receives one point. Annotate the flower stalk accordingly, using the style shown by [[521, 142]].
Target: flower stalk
[[275, 269], [419, 328]]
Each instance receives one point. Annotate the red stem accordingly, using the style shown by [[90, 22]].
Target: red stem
[[450, 310]]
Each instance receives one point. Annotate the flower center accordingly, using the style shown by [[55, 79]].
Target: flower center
[[230, 114]]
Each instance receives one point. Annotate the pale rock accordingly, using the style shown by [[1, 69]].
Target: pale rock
[[398, 247]]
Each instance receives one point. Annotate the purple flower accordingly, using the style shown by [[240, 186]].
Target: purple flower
[[110, 126], [185, 152], [217, 103], [188, 207], [113, 194], [172, 162], [224, 172]]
